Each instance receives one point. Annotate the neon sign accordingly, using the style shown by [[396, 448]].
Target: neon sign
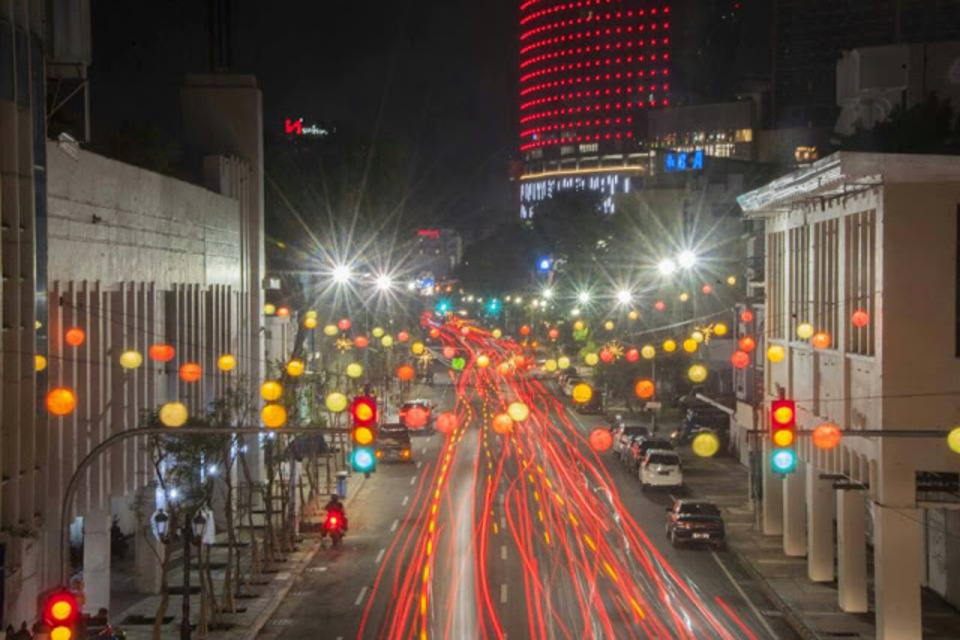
[[297, 128], [683, 161], [433, 234]]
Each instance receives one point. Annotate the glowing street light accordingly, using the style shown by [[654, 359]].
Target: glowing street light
[[547, 293], [687, 259], [583, 297], [667, 266], [384, 282], [575, 312], [341, 274], [624, 296]]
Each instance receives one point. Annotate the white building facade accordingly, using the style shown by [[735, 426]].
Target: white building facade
[[876, 233]]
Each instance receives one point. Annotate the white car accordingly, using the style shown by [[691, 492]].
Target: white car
[[661, 468]]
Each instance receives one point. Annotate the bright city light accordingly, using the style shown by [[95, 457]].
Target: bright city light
[[687, 259], [411, 285], [575, 312], [623, 296], [547, 293], [583, 297], [384, 282], [341, 274], [667, 266]]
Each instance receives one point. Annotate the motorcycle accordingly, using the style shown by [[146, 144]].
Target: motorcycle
[[335, 527]]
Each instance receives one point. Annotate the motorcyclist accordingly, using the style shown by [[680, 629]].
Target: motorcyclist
[[336, 507]]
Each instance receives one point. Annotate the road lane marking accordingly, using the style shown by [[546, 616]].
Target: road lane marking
[[503, 593], [413, 480], [380, 556], [419, 464], [424, 450], [393, 527], [317, 569], [503, 552], [743, 594], [406, 499], [363, 592]]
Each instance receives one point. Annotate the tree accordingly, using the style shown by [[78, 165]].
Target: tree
[[931, 126], [571, 225]]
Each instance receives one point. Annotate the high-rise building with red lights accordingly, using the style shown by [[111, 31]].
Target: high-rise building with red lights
[[589, 69]]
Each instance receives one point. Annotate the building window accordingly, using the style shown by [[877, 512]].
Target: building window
[[799, 278], [775, 263], [826, 276], [861, 278]]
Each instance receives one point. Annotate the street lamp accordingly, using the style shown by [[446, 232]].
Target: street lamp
[[384, 282], [687, 259], [583, 297], [341, 274], [624, 296], [547, 293], [667, 266]]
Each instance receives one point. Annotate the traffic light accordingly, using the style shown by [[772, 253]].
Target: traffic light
[[61, 615], [783, 434], [363, 433]]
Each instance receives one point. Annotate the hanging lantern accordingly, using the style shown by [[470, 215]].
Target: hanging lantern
[[503, 368], [519, 361], [269, 309], [554, 333], [449, 352], [161, 352], [330, 330], [582, 393], [632, 355], [805, 331], [387, 341], [606, 356], [525, 330], [283, 312], [310, 314], [61, 401], [747, 344], [684, 296], [776, 353], [518, 411], [496, 333], [550, 366], [39, 362], [354, 370], [457, 364], [720, 329], [740, 359], [860, 318], [707, 289], [953, 440], [75, 336], [403, 336], [446, 422], [698, 337], [174, 415], [690, 345], [502, 424], [660, 305], [608, 325], [669, 345], [310, 323], [827, 436], [227, 362], [746, 315], [295, 368], [644, 389], [563, 362], [591, 359], [190, 371], [821, 340], [483, 361], [648, 352], [361, 342], [406, 373], [579, 325], [131, 359], [697, 373], [344, 324], [633, 315], [601, 440], [377, 332], [705, 444], [417, 348], [271, 390], [336, 402], [274, 416]]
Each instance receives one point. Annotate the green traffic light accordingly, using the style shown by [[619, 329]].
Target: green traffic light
[[784, 461], [363, 460]]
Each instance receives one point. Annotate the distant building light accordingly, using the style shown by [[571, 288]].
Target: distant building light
[[677, 161]]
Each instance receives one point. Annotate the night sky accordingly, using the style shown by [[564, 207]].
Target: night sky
[[438, 74]]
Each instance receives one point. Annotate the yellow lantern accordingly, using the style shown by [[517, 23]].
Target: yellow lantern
[[633, 315], [690, 345], [497, 333], [271, 390], [608, 325], [953, 440], [295, 368], [550, 366], [669, 345], [706, 444], [274, 416], [310, 323], [684, 297], [131, 359], [697, 373], [386, 341], [417, 348], [269, 309], [518, 411], [776, 353], [226, 362], [377, 332], [354, 370], [582, 393], [720, 329], [578, 325], [697, 336], [563, 362], [336, 402], [731, 280], [39, 362], [648, 352], [805, 331], [591, 359], [330, 330], [311, 314], [483, 361], [174, 414]]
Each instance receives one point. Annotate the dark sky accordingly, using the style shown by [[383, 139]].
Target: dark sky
[[437, 73]]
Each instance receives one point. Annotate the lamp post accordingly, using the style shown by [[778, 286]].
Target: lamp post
[[191, 530]]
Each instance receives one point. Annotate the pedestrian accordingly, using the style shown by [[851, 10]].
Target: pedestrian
[[9, 633], [24, 633]]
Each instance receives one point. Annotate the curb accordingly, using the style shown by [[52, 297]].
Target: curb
[[254, 630]]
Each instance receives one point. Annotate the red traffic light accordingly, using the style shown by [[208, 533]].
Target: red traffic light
[[363, 411], [783, 422], [60, 612]]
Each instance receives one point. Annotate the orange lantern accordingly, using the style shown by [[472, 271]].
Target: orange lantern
[[660, 305], [190, 372], [707, 289], [632, 355], [449, 352], [519, 361], [827, 436], [553, 334], [61, 401], [601, 440], [740, 359], [746, 315], [446, 422], [503, 368], [344, 324], [161, 352], [860, 318], [747, 344], [362, 342], [283, 312], [405, 373], [525, 330], [644, 389], [74, 336], [403, 336], [821, 340], [434, 333], [274, 416], [503, 424]]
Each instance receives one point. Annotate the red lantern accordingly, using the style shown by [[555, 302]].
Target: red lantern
[[746, 315], [283, 312], [405, 373], [161, 352], [525, 330], [446, 422], [343, 324], [362, 342], [503, 424], [827, 436], [860, 318], [632, 355], [74, 336], [660, 305], [644, 389], [606, 356], [190, 372], [747, 344], [554, 333], [740, 359], [707, 289], [415, 417], [449, 353], [403, 336], [434, 333], [601, 440]]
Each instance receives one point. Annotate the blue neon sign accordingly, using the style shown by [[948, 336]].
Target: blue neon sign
[[676, 161]]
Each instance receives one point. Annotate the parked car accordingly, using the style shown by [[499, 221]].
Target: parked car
[[661, 468], [695, 521], [624, 432], [640, 446]]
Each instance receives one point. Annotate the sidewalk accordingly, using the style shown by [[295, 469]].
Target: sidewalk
[[256, 602]]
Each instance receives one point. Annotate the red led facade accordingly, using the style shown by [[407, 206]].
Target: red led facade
[[588, 68]]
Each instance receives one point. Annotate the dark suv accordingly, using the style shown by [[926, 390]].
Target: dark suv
[[695, 521]]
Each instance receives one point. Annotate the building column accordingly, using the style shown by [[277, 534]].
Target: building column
[[795, 513], [772, 493], [821, 552], [897, 573], [148, 551], [852, 552], [96, 559]]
